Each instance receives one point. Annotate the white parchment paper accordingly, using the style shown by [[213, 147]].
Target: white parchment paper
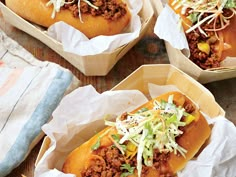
[[75, 42], [218, 159], [80, 115], [169, 28]]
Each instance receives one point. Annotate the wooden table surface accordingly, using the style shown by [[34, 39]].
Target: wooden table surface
[[149, 50]]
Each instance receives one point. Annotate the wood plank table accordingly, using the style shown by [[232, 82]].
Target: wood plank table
[[150, 50]]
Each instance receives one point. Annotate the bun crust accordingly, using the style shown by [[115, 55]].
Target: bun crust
[[37, 12], [195, 135]]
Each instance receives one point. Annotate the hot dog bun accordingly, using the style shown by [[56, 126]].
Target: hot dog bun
[[37, 12], [194, 136]]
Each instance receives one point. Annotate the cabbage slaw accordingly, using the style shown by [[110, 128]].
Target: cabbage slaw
[[212, 7], [152, 129]]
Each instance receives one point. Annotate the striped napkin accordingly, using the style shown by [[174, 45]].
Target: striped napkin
[[30, 90]]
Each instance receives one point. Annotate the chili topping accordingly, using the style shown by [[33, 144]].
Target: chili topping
[[144, 140]]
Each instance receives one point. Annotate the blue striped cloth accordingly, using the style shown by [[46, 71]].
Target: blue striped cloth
[[30, 91]]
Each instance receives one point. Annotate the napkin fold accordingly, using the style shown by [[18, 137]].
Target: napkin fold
[[30, 90]]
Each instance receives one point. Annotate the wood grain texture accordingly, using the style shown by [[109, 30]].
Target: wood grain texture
[[150, 50]]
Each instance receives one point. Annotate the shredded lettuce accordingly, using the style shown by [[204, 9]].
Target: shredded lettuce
[[97, 144], [230, 4], [156, 128], [57, 4], [117, 139], [129, 170], [193, 17]]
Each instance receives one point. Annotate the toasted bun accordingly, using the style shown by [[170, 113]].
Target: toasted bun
[[229, 36], [37, 12], [195, 135]]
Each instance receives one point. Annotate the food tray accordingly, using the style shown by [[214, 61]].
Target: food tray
[[162, 74], [91, 65], [178, 59]]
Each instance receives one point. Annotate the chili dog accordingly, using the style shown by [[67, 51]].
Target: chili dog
[[210, 28], [91, 17], [156, 139]]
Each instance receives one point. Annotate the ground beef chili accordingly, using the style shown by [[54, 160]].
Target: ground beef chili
[[203, 60], [114, 159], [189, 107], [109, 9]]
